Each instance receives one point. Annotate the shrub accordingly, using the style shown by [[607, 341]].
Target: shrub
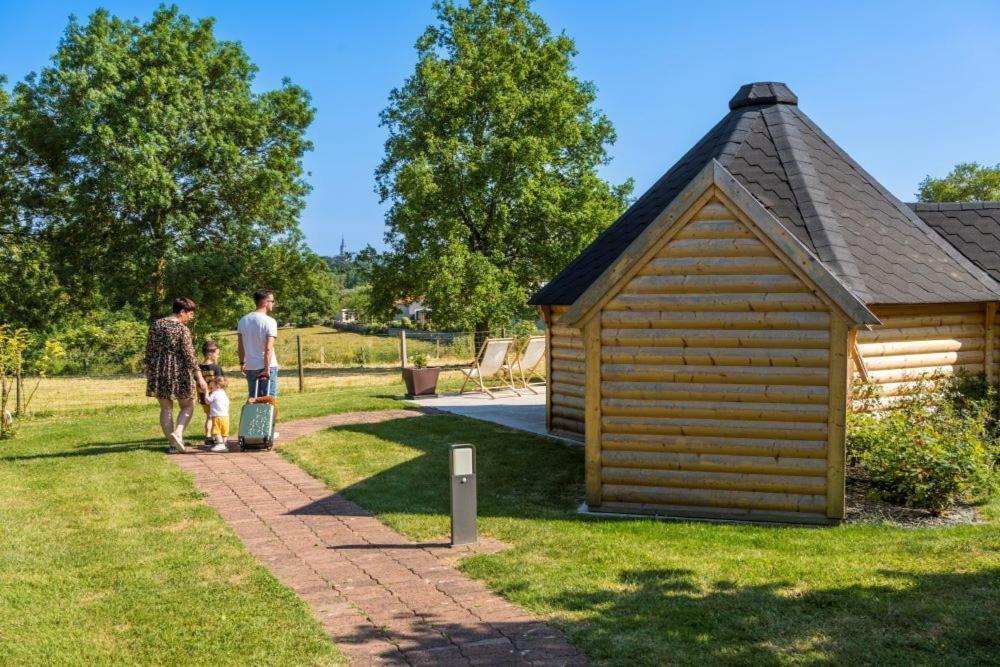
[[935, 450], [419, 360]]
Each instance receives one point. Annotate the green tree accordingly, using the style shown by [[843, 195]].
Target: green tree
[[156, 169], [968, 181], [490, 166]]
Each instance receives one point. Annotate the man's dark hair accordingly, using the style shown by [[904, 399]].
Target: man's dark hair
[[208, 347], [260, 295], [183, 305]]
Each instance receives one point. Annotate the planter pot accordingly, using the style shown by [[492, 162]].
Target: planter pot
[[421, 381]]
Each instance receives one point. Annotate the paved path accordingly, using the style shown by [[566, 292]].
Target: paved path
[[382, 598]]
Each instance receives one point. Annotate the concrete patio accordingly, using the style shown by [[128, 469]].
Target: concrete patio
[[524, 412]]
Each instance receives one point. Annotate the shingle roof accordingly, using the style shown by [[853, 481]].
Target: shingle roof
[[877, 246], [972, 227]]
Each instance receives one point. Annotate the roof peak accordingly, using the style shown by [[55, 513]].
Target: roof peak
[[762, 92]]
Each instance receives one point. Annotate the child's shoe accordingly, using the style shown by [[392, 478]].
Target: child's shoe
[[219, 447]]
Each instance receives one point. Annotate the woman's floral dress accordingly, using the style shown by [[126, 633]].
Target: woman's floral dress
[[170, 361]]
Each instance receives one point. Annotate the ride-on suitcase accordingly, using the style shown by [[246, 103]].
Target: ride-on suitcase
[[257, 421]]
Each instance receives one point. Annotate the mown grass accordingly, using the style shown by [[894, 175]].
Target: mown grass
[[632, 592], [108, 554]]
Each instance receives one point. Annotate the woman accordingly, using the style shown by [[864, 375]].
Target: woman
[[172, 371]]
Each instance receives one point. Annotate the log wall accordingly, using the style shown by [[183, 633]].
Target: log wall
[[566, 377], [715, 376], [922, 342]]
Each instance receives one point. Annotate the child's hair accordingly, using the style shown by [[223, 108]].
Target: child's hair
[[208, 347], [221, 382]]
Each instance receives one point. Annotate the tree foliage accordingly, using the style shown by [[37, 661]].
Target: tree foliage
[[155, 170], [968, 181], [490, 166]]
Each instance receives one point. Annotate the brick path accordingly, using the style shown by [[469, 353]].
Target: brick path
[[382, 598]]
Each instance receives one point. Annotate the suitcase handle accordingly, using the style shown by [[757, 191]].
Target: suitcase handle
[[256, 385]]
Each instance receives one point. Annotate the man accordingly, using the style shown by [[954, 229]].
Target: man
[[255, 335]]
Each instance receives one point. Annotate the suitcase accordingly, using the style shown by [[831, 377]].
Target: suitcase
[[257, 422]]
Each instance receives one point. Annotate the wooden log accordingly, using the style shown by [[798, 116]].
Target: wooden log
[[557, 310], [712, 374], [922, 374], [713, 210], [759, 393], [882, 335], [559, 410], [913, 321], [708, 356], [567, 342], [925, 346], [736, 428], [568, 389], [733, 481], [564, 424], [684, 266], [731, 284], [836, 450], [742, 338], [715, 229], [569, 400], [611, 319], [567, 354], [782, 502], [560, 332], [923, 360], [566, 378], [592, 412], [707, 445], [722, 302], [728, 463], [630, 407], [715, 248], [546, 312], [568, 366]]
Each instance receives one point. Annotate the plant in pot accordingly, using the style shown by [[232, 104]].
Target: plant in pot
[[420, 380]]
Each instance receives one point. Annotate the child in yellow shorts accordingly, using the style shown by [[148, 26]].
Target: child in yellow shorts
[[218, 412]]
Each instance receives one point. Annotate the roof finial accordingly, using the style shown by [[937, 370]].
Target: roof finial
[[762, 92]]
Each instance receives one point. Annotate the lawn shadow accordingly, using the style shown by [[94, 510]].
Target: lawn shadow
[[510, 481], [95, 449], [925, 618]]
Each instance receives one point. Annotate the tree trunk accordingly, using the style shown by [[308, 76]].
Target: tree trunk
[[157, 288]]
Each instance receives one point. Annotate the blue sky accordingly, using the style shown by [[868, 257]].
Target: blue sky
[[908, 88]]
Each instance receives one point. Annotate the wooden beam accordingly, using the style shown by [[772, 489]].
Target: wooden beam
[[991, 312], [592, 410], [546, 312], [837, 420]]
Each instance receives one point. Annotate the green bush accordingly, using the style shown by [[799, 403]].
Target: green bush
[[933, 451]]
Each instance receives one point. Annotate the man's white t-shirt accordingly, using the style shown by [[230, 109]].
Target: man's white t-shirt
[[255, 329]]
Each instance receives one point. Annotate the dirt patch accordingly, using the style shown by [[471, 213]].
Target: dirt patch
[[864, 507]]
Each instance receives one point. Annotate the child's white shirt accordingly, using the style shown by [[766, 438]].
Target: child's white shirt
[[218, 403]]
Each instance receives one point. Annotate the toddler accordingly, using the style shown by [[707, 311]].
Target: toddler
[[210, 368], [218, 412]]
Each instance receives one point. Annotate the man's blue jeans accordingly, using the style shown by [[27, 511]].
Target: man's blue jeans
[[272, 385]]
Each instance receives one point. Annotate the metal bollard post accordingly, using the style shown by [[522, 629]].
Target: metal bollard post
[[463, 494]]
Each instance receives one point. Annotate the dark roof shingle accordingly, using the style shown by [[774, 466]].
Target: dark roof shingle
[[972, 227], [871, 241]]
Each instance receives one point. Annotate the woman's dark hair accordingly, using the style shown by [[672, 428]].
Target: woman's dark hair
[[183, 305], [260, 295], [208, 347]]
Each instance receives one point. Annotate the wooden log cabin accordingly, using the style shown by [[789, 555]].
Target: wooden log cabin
[[703, 346]]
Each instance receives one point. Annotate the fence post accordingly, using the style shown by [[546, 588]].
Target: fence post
[[18, 388], [322, 355], [302, 379], [402, 349], [437, 347]]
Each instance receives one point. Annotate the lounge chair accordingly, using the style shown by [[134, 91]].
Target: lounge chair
[[490, 365], [525, 368]]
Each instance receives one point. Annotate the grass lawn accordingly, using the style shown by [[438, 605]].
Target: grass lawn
[[108, 554], [645, 592]]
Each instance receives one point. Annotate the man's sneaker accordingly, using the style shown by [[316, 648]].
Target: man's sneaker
[[178, 442], [219, 447]]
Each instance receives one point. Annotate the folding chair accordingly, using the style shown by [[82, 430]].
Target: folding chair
[[490, 364], [527, 364]]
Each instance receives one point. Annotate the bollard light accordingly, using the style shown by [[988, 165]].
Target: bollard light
[[463, 494]]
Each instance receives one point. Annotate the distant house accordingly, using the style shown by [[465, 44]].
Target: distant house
[[703, 345], [345, 316], [413, 309]]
